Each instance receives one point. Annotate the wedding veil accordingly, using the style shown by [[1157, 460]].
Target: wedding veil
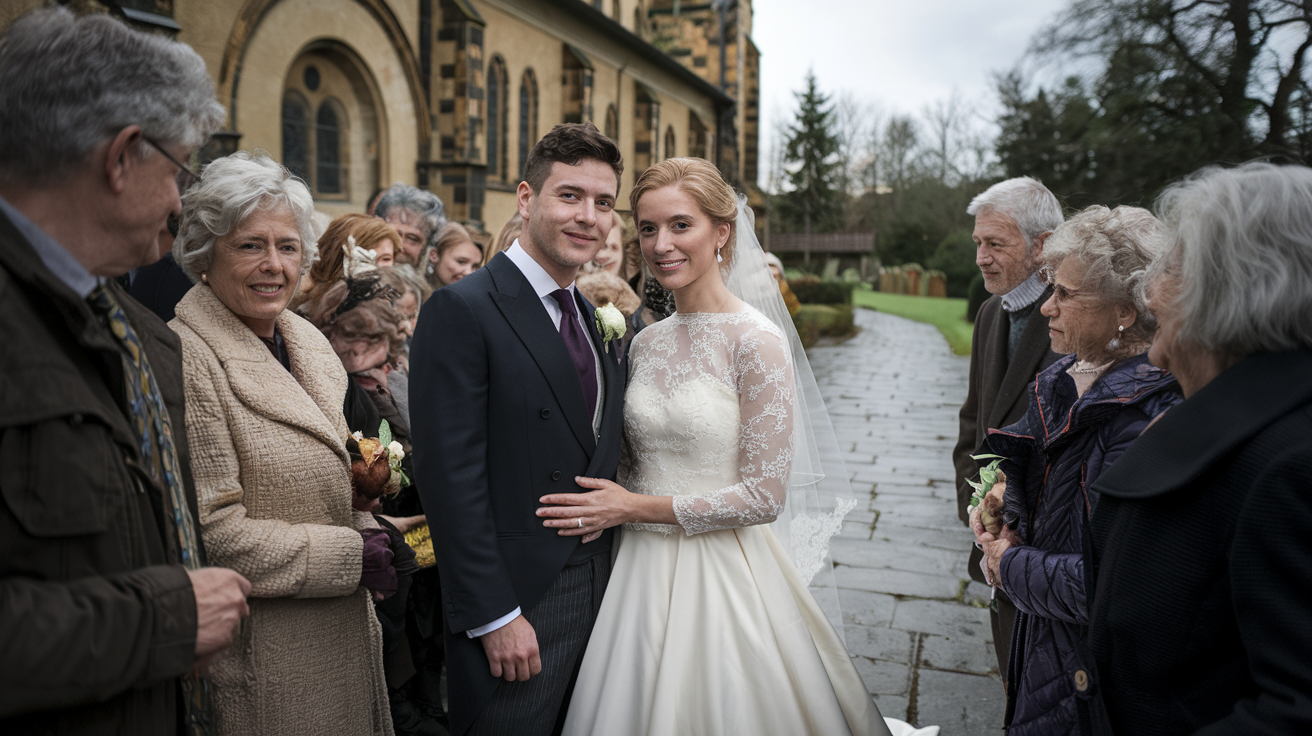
[[819, 492]]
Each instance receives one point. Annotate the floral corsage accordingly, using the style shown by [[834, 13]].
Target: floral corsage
[[611, 324]]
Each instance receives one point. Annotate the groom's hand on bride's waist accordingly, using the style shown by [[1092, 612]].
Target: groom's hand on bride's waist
[[512, 651]]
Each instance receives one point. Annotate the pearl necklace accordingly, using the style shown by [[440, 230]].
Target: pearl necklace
[[1084, 367]]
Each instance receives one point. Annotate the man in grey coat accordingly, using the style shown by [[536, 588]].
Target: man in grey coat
[[107, 615], [1010, 344]]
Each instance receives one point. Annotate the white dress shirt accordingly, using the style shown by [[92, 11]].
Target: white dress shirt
[[543, 284]]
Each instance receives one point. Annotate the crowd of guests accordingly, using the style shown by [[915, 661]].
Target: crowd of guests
[[1144, 383], [253, 364], [185, 544]]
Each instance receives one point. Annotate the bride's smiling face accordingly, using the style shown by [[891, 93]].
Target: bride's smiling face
[[679, 240]]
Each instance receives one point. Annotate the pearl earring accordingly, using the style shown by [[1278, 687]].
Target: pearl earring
[[1116, 341], [718, 258], [204, 279]]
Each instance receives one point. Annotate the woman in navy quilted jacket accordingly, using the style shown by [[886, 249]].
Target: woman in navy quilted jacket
[[1084, 411]]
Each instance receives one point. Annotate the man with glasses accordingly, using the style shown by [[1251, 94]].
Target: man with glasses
[[109, 616], [1010, 344], [161, 285]]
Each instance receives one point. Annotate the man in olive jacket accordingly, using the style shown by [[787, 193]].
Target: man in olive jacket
[[101, 624], [1010, 345]]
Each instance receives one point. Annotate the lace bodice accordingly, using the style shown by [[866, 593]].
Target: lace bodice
[[708, 419]]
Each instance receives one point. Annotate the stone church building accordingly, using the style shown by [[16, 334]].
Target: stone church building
[[450, 95]]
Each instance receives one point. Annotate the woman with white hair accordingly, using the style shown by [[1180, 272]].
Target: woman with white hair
[[1201, 550], [264, 393], [1083, 411]]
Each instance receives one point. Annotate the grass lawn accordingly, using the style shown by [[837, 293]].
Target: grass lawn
[[948, 315]]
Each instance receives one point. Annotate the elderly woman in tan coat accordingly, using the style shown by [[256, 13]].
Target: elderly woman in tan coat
[[264, 397]]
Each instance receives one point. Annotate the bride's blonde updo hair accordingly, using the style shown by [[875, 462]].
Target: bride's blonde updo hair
[[699, 179]]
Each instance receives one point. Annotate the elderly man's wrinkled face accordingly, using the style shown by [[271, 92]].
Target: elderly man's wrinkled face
[[256, 267], [413, 235], [1003, 256], [148, 200]]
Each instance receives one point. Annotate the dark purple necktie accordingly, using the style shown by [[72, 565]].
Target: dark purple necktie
[[577, 343]]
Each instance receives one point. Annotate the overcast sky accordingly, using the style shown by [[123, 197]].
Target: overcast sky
[[902, 54]]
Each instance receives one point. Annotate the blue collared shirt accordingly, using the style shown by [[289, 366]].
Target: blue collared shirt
[[56, 257]]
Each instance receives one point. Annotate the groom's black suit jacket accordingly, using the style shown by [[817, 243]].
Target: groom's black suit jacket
[[499, 421]]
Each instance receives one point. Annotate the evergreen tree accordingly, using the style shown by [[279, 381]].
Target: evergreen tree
[[814, 203], [1181, 85]]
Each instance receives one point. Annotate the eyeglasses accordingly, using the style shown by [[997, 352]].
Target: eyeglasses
[[186, 177]]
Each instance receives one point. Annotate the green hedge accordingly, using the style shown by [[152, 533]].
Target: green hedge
[[975, 297], [815, 291], [814, 321]]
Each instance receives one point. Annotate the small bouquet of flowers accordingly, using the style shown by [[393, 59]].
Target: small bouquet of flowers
[[989, 489], [375, 468]]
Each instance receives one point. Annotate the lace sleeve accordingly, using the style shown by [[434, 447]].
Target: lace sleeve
[[764, 381]]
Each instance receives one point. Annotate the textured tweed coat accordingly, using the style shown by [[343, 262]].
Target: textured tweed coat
[[272, 480]]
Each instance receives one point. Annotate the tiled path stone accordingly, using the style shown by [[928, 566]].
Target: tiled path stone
[[917, 628]]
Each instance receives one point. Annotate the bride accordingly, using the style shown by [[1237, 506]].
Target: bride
[[708, 626]]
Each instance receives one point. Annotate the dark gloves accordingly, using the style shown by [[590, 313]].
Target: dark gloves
[[403, 559], [376, 572]]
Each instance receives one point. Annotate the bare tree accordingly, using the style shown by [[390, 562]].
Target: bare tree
[[857, 124], [899, 148], [946, 125], [1250, 54], [777, 174]]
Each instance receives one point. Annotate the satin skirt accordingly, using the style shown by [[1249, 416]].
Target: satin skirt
[[714, 634]]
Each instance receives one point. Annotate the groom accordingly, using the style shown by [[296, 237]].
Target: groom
[[514, 394]]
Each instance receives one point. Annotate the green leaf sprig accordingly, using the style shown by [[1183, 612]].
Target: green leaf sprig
[[988, 477], [393, 456]]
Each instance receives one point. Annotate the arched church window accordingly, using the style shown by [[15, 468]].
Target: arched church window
[[496, 119], [528, 116], [328, 149], [576, 85], [612, 123], [696, 136], [669, 143], [296, 135], [646, 127], [331, 135]]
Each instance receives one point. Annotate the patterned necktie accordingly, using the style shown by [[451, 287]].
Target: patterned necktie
[[150, 420], [577, 344]]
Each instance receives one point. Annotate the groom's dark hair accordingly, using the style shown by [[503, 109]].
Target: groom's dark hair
[[570, 143]]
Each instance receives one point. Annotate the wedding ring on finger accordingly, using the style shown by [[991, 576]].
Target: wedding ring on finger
[[580, 523]]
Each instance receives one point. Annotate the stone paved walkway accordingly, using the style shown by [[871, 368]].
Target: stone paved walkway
[[915, 622]]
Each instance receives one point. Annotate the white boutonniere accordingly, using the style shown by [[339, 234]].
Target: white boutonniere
[[611, 324]]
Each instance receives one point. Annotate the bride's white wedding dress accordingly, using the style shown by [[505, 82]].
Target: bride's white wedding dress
[[706, 628]]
